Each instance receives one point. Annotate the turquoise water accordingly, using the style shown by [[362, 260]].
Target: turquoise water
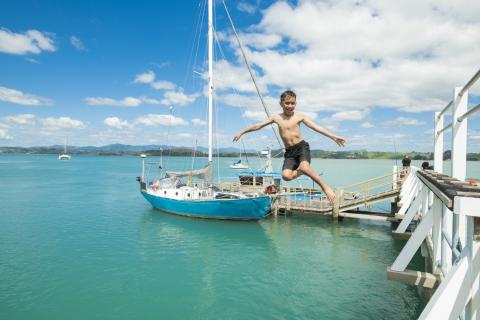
[[77, 241]]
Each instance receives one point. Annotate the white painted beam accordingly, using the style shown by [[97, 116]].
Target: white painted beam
[[466, 206], [411, 212], [446, 298], [459, 136], [407, 201], [414, 242], [437, 233]]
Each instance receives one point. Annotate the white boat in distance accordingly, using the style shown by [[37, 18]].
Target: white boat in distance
[[238, 165], [64, 155]]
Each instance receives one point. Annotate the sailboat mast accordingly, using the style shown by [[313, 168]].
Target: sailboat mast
[[210, 80], [65, 146]]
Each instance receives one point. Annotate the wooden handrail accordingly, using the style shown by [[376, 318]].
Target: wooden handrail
[[376, 178]]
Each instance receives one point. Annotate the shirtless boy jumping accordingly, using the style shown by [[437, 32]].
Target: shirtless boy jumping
[[297, 154]]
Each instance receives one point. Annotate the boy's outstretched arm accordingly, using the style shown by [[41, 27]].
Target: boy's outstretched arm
[[254, 127], [339, 140]]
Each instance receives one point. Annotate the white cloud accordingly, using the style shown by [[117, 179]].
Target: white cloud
[[148, 77], [32, 41], [403, 121], [163, 85], [229, 76], [148, 100], [185, 135], [247, 7], [255, 115], [18, 97], [353, 115], [198, 122], [116, 122], [4, 135], [177, 98], [474, 135], [251, 102], [367, 60], [160, 120], [22, 119], [367, 125], [260, 41], [310, 115], [77, 43], [61, 123], [238, 100], [125, 102]]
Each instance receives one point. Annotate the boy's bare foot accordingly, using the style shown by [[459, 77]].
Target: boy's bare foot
[[330, 195]]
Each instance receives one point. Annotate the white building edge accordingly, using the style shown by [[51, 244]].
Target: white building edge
[[445, 236]]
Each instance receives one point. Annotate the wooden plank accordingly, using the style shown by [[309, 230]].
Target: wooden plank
[[401, 235], [442, 196], [366, 216], [418, 278]]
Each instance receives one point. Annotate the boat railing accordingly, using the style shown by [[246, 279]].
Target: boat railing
[[446, 208]]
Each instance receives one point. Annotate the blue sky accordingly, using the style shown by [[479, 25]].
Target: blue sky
[[104, 72]]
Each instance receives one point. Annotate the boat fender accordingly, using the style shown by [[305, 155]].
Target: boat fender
[[271, 189]]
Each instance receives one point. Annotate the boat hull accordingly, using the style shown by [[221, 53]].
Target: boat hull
[[226, 209]]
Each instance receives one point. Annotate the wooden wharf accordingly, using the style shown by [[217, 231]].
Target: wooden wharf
[[348, 198], [446, 211]]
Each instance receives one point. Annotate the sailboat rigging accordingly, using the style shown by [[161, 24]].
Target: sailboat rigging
[[204, 200]]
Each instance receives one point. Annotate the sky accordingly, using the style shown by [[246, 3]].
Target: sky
[[134, 72]]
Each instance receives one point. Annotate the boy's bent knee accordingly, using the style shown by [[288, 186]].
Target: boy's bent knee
[[304, 166], [287, 176]]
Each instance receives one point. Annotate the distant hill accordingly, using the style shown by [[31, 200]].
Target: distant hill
[[155, 150], [115, 149]]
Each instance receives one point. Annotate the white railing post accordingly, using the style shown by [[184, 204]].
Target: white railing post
[[438, 143], [437, 234], [447, 228], [469, 308], [459, 136], [459, 156]]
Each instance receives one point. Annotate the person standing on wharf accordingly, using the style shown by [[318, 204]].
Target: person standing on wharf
[[297, 151]]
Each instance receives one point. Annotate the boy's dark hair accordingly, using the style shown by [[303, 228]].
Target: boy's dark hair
[[287, 93]]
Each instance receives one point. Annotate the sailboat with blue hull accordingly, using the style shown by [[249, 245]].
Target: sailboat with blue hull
[[172, 194], [227, 209]]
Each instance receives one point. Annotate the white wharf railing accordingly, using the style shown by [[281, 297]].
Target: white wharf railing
[[446, 223]]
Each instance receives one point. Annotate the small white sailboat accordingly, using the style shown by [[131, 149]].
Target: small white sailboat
[[64, 155], [239, 165]]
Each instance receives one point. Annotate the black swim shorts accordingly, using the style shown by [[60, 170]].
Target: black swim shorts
[[295, 154]]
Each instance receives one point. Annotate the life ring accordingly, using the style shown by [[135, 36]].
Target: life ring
[[271, 189]]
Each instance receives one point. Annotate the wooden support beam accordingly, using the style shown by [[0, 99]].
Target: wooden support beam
[[421, 279], [413, 243], [364, 216], [411, 213], [401, 235]]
